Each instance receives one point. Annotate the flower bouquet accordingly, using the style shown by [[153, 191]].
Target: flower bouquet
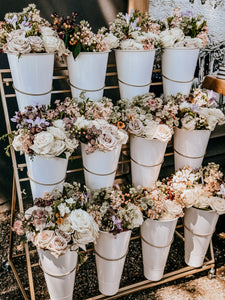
[[45, 136], [30, 44], [87, 61], [198, 116], [161, 207], [116, 215], [181, 37], [150, 121], [203, 194], [101, 142], [138, 36], [58, 224]]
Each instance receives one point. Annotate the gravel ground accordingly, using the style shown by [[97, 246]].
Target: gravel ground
[[196, 286]]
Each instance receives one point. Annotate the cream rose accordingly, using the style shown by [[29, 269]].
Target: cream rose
[[58, 147], [58, 246], [15, 34], [19, 45], [111, 41], [171, 210], [217, 204], [66, 226], [202, 201], [58, 133], [135, 126], [84, 226], [162, 133], [106, 141], [51, 43], [131, 44], [71, 144], [43, 142], [18, 142], [43, 238], [188, 123], [45, 30], [189, 197], [36, 43]]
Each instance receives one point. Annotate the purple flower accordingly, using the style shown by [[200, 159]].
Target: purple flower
[[194, 108], [116, 222], [188, 13], [13, 20]]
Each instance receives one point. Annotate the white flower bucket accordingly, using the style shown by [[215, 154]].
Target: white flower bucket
[[45, 174], [190, 147], [199, 226], [32, 78], [59, 273], [156, 238], [134, 68], [146, 160], [100, 167], [87, 73], [110, 255], [178, 68]]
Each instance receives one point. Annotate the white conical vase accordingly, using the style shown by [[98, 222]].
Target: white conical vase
[[156, 238], [190, 147], [146, 160], [199, 226], [87, 73], [110, 255], [100, 167], [178, 68], [45, 174], [59, 273], [32, 78], [134, 68]]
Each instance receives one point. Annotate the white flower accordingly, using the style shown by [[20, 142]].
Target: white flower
[[132, 216], [135, 126], [51, 43], [131, 44], [47, 31], [43, 238], [148, 131], [66, 226], [122, 136], [71, 144], [70, 201], [188, 122], [59, 124], [106, 141], [162, 133], [171, 210], [189, 196], [63, 209], [86, 230], [36, 43], [170, 36], [184, 105], [217, 204], [202, 201], [43, 142], [15, 34], [57, 132], [222, 190], [81, 122], [18, 142], [28, 212], [111, 41], [57, 148], [19, 45], [57, 246]]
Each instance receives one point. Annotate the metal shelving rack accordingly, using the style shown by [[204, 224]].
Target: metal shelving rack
[[17, 197]]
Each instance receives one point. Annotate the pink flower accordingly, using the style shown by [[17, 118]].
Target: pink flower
[[18, 227]]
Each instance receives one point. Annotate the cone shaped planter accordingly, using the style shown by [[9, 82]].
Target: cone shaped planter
[[178, 68], [59, 273], [110, 255], [32, 78], [100, 167], [190, 147], [156, 236], [134, 68], [45, 174], [146, 160], [87, 73], [199, 226]]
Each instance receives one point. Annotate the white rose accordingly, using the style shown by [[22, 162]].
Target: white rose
[[86, 230], [59, 124], [217, 204], [36, 43], [18, 142], [170, 36], [135, 126], [19, 45], [66, 226], [133, 216], [106, 141], [45, 30], [189, 197], [51, 43], [71, 144], [202, 201], [131, 44], [111, 41], [57, 132], [15, 34], [162, 133], [188, 123], [29, 211], [57, 246], [81, 122], [62, 48], [43, 238], [58, 147], [184, 105], [43, 142], [218, 114], [193, 42], [122, 136], [212, 121], [171, 210], [148, 131]]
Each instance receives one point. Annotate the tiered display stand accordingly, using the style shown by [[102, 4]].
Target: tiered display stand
[[19, 177]]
